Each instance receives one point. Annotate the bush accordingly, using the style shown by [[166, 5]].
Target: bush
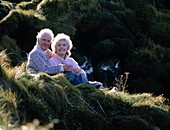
[[27, 5], [160, 29], [5, 7], [147, 66], [21, 25], [13, 51]]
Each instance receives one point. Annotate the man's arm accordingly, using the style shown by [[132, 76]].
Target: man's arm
[[40, 63]]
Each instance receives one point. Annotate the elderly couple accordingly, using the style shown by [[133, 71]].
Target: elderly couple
[[42, 59]]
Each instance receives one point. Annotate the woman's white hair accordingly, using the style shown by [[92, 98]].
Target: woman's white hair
[[45, 31], [62, 36]]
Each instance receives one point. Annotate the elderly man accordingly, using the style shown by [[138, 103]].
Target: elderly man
[[38, 60]]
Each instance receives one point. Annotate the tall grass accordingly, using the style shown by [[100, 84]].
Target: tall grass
[[27, 5], [52, 102], [14, 52]]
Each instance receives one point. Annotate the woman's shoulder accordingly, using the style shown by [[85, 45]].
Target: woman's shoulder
[[70, 59]]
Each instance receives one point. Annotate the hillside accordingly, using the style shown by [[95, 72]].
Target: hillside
[[51, 102]]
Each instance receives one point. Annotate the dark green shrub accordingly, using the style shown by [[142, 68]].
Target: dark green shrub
[[23, 26], [153, 24], [27, 5], [5, 7], [135, 4], [13, 51], [147, 66], [65, 15], [101, 47], [125, 123], [18, 1], [160, 28], [145, 17]]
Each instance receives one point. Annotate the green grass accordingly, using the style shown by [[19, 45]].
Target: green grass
[[51, 102]]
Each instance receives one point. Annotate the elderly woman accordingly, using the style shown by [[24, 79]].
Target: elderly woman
[[61, 47], [38, 60]]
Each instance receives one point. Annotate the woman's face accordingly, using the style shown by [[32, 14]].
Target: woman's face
[[45, 41], [61, 48]]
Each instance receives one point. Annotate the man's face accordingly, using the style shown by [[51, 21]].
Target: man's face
[[45, 41]]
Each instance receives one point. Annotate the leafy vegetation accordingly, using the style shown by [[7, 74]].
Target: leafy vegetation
[[133, 32], [112, 29], [5, 8]]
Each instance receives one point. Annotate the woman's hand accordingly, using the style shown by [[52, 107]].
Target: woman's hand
[[68, 67], [49, 53], [77, 71]]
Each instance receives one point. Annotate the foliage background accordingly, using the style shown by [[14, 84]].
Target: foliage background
[[136, 32], [133, 32]]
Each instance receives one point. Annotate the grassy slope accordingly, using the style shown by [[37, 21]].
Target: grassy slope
[[24, 98]]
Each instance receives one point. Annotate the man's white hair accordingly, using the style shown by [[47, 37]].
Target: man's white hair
[[45, 31]]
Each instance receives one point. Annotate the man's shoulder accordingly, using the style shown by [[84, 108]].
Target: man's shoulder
[[33, 52]]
